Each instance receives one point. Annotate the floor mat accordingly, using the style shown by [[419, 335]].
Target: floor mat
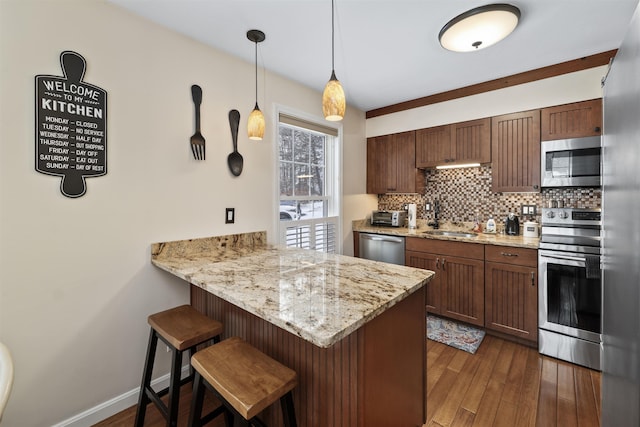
[[454, 334]]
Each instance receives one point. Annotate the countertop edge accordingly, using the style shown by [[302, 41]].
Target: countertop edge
[[482, 238]]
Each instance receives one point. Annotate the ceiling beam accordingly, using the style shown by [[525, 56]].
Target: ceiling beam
[[501, 83]]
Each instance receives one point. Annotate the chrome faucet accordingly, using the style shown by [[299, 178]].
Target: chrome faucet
[[436, 214]]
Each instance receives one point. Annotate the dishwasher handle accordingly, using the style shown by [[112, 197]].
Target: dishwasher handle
[[382, 238]]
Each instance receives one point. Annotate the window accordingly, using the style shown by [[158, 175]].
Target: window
[[308, 184]]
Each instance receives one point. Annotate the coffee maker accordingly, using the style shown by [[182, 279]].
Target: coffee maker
[[512, 225]]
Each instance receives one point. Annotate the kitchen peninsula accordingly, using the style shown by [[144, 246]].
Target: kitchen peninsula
[[354, 330]]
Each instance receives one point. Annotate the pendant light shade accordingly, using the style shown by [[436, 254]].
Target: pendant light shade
[[478, 28], [256, 123], [334, 102]]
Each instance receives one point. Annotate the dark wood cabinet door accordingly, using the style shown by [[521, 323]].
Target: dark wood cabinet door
[[574, 120], [405, 162], [471, 141], [390, 161], [428, 262], [377, 164], [433, 146], [391, 165], [511, 300], [515, 152], [462, 285]]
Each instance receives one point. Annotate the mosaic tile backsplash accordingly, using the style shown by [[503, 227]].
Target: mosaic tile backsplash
[[466, 193]]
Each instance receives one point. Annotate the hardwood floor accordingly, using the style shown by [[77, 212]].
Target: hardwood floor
[[503, 384], [153, 417], [507, 384]]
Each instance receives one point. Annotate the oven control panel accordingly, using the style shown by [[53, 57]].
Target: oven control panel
[[571, 217]]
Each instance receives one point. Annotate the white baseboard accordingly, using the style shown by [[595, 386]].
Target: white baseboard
[[112, 406]]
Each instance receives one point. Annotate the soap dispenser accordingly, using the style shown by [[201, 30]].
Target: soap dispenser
[[491, 225]]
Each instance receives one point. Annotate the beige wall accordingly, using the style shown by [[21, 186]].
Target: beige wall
[[76, 284]]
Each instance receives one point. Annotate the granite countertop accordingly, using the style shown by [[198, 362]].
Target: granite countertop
[[498, 239], [319, 297]]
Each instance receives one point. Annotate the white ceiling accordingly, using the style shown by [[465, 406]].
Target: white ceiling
[[387, 51]]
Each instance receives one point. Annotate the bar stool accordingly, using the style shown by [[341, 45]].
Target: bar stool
[[181, 329], [244, 379]]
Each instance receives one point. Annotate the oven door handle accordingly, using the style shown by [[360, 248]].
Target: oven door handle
[[568, 258], [548, 255]]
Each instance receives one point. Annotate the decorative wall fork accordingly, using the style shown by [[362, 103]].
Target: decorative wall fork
[[197, 140]]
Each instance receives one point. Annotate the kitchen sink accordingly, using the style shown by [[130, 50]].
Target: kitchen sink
[[450, 233]]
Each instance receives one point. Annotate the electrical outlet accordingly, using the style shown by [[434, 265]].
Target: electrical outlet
[[528, 209]]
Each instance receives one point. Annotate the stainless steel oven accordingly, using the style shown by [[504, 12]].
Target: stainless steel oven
[[570, 291], [575, 162]]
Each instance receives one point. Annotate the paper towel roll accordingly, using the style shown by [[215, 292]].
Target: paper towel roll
[[412, 215]]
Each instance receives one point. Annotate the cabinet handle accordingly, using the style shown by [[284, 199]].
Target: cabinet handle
[[597, 129], [437, 263], [533, 278], [507, 254], [443, 261]]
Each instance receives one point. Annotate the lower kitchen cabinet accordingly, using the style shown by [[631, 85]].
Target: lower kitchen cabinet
[[457, 290], [511, 291], [431, 262]]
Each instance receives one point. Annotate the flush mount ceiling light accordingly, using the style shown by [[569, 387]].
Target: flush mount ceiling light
[[255, 124], [333, 99], [478, 28]]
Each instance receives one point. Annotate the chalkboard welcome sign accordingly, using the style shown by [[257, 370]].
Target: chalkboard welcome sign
[[71, 126]]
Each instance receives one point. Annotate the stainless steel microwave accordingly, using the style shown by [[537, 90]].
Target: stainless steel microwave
[[575, 162]]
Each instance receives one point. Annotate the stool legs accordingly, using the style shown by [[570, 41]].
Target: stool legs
[[174, 388], [147, 394], [288, 414], [144, 400], [197, 400]]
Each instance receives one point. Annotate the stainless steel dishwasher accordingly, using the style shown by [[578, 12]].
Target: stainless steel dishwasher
[[381, 247]]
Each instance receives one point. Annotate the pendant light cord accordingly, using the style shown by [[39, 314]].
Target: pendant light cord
[[256, 62], [333, 42]]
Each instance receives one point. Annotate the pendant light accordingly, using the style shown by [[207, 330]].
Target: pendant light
[[255, 124], [480, 27], [333, 100]]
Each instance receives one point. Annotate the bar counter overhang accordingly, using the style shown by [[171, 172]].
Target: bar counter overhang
[[354, 330]]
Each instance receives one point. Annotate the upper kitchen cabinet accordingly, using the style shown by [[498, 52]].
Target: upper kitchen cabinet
[[471, 141], [515, 152], [459, 143], [572, 120], [433, 146], [391, 164]]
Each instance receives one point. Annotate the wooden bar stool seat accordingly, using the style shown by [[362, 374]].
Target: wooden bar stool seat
[[246, 380], [181, 329]]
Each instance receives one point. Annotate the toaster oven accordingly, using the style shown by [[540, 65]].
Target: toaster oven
[[388, 218]]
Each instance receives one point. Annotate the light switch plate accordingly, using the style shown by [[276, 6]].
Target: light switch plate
[[230, 216]]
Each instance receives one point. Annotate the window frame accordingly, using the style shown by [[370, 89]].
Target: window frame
[[332, 169]]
